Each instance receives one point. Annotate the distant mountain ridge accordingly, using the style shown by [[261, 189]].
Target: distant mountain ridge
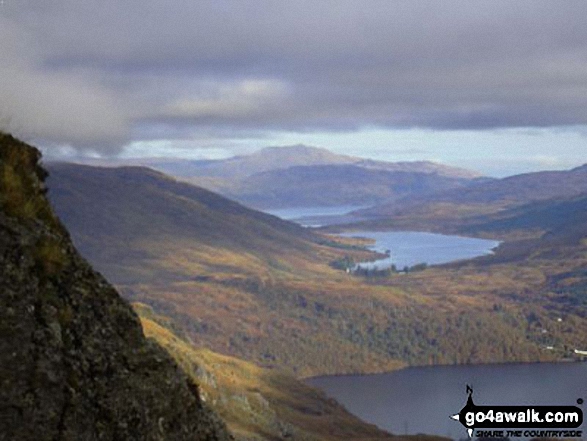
[[304, 176], [337, 185], [269, 158], [560, 219], [521, 207], [427, 167], [524, 187], [491, 196], [280, 158]]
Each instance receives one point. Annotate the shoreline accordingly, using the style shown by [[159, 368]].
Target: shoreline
[[432, 366]]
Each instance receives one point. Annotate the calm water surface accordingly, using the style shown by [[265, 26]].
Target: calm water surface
[[408, 248], [317, 216], [420, 400]]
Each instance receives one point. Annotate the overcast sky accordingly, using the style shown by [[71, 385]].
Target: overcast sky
[[498, 86]]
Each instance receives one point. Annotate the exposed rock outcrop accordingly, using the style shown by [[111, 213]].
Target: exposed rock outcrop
[[74, 363]]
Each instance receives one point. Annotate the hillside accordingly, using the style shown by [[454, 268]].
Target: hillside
[[332, 185], [286, 305], [544, 228], [74, 363], [122, 216], [555, 218], [260, 403], [455, 207], [294, 176]]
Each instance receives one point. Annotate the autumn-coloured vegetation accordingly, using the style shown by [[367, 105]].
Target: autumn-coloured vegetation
[[258, 403], [20, 195], [249, 285]]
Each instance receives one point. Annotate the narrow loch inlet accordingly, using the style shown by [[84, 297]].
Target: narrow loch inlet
[[318, 216]]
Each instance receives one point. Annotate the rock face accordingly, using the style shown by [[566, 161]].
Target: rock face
[[74, 363]]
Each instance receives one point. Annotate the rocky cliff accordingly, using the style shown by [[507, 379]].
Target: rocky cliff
[[74, 363]]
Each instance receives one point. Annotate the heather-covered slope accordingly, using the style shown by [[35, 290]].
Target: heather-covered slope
[[557, 217], [124, 220], [74, 363], [258, 403], [268, 295], [473, 204]]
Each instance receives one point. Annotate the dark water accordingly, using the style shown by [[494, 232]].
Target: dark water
[[420, 400], [408, 248]]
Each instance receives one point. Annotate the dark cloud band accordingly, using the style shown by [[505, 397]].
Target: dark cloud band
[[304, 65]]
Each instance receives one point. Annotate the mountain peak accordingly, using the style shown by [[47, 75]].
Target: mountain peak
[[301, 154]]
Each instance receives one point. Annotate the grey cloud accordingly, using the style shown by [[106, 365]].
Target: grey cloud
[[68, 107], [126, 67]]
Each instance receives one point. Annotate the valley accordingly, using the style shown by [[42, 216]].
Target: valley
[[305, 176], [268, 293], [258, 403], [84, 345], [248, 304], [292, 221]]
